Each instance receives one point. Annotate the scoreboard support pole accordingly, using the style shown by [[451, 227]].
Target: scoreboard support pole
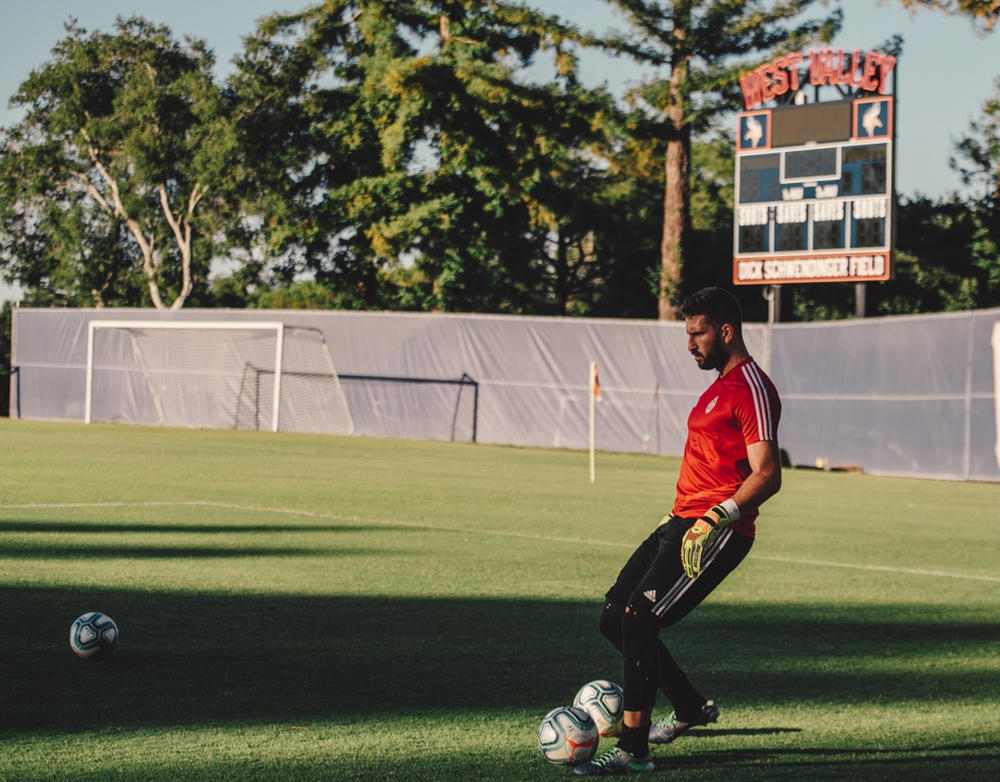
[[860, 299], [773, 295]]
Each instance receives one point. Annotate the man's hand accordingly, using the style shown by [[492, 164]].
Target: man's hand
[[701, 535], [698, 539]]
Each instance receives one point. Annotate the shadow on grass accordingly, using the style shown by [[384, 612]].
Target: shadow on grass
[[74, 527], [39, 548], [18, 551], [210, 658]]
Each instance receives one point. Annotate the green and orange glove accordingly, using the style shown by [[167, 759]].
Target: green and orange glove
[[703, 533]]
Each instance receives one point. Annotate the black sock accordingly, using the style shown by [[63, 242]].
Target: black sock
[[635, 741]]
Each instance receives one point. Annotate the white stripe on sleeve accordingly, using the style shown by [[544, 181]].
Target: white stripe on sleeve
[[762, 405]]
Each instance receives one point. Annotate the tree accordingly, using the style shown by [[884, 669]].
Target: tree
[[948, 253], [121, 161], [377, 131], [304, 295], [937, 268], [705, 44], [983, 12], [978, 159], [978, 163]]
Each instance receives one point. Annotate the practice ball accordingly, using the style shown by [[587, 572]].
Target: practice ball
[[605, 702], [567, 736], [93, 635]]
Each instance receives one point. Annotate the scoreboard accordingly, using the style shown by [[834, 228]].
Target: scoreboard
[[814, 188]]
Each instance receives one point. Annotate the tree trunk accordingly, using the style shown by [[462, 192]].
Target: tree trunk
[[562, 283], [117, 208], [148, 260], [181, 226], [677, 198]]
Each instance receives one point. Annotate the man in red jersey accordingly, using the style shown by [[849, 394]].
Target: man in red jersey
[[731, 466]]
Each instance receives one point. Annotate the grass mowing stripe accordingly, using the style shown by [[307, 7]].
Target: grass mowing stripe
[[314, 515], [469, 530]]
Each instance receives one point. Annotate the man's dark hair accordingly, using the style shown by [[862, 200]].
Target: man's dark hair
[[718, 307]]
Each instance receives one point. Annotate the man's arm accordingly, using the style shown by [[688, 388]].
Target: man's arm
[[762, 484], [764, 480]]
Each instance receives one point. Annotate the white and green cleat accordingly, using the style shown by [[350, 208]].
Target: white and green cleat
[[614, 761], [669, 728]]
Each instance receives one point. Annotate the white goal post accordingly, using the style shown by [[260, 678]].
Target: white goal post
[[135, 325]]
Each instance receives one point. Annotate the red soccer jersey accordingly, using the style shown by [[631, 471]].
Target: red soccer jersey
[[737, 410]]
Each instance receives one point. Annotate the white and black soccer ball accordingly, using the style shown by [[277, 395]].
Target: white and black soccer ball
[[567, 736], [93, 635], [604, 701]]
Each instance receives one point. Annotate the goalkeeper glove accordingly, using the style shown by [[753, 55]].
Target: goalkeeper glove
[[701, 535]]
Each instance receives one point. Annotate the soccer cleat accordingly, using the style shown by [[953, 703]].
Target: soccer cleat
[[614, 761], [669, 728]]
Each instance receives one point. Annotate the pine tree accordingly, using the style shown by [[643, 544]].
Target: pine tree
[[398, 151], [704, 44]]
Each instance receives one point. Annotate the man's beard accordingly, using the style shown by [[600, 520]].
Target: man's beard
[[713, 359]]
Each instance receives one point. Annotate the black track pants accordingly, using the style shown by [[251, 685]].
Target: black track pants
[[652, 592]]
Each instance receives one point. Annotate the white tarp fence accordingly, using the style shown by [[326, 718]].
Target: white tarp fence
[[908, 395]]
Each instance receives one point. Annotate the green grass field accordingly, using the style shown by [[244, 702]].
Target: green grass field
[[299, 607]]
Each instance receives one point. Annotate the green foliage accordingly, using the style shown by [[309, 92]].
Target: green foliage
[[935, 271], [948, 250], [710, 242], [306, 295], [115, 179], [937, 268], [978, 160], [706, 44], [407, 130], [984, 13], [402, 155], [633, 226]]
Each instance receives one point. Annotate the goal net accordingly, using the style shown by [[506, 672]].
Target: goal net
[[414, 408], [214, 375]]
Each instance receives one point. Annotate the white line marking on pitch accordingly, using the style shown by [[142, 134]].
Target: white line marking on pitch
[[882, 568], [468, 530]]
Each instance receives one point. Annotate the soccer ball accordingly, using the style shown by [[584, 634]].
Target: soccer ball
[[93, 635], [605, 702], [567, 736]]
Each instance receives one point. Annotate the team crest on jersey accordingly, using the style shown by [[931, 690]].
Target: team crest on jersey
[[711, 406]]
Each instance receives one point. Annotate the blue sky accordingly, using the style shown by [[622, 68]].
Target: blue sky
[[946, 72]]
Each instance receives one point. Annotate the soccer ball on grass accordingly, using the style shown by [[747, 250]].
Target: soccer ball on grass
[[93, 635], [567, 736], [605, 702]]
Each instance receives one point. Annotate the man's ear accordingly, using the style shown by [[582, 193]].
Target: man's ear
[[727, 333]]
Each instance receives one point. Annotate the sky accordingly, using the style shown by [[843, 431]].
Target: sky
[[945, 74]]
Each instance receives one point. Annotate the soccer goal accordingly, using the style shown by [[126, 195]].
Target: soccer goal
[[414, 408], [195, 374]]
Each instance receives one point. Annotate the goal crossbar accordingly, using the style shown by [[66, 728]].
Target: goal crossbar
[[270, 325]]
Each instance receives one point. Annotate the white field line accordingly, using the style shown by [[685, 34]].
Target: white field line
[[469, 530], [883, 568]]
